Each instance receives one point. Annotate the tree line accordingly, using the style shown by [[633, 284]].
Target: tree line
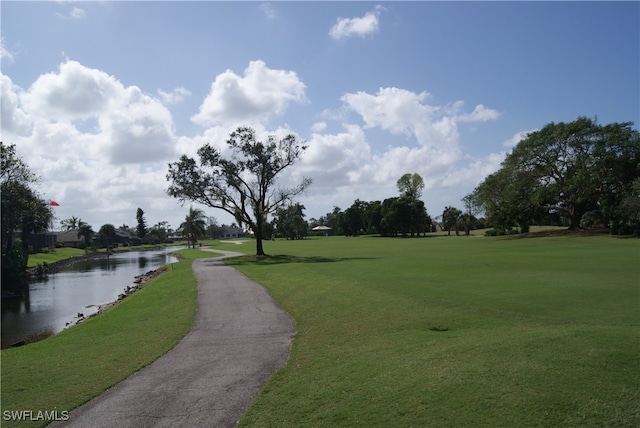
[[24, 212], [579, 174], [196, 225], [404, 214]]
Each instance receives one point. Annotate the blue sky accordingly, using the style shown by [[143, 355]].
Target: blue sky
[[100, 96]]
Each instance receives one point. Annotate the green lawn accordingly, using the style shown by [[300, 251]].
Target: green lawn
[[79, 363], [54, 256], [451, 332], [435, 332]]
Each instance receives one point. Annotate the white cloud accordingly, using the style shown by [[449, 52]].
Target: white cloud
[[475, 170], [363, 26], [260, 93], [402, 111], [74, 92], [175, 96], [268, 10], [131, 127], [392, 109], [14, 119], [345, 166], [141, 131], [75, 13], [5, 54], [318, 126], [332, 158], [517, 137], [479, 114], [100, 147]]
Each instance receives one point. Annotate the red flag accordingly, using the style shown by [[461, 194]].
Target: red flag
[[54, 203]]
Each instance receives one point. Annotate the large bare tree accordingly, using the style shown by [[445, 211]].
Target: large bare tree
[[242, 183]]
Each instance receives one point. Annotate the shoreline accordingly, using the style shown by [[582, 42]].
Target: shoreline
[[138, 283], [53, 267]]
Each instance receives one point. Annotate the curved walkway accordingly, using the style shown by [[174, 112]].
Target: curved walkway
[[239, 338]]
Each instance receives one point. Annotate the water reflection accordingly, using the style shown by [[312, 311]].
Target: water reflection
[[53, 303]]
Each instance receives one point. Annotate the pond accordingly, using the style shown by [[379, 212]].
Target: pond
[[75, 291]]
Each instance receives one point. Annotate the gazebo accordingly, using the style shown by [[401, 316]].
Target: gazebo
[[324, 229]]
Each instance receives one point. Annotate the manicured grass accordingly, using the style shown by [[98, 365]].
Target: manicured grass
[[451, 332], [68, 369], [54, 256], [393, 332]]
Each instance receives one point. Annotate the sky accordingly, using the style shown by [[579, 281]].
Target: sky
[[99, 97]]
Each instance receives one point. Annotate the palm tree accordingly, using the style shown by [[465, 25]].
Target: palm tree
[[71, 223], [194, 226]]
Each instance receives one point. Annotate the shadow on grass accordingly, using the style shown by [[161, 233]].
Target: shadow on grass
[[570, 233], [284, 258]]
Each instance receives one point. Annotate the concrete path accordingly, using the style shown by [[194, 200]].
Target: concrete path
[[239, 338]]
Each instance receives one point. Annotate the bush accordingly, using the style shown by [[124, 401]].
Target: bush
[[500, 232], [593, 218], [42, 270]]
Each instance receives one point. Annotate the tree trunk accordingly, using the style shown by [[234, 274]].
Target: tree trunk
[[575, 219], [258, 235], [25, 248]]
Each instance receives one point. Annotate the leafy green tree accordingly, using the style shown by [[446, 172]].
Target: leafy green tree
[[410, 186], [86, 231], [242, 184], [567, 168], [450, 218], [372, 216], [352, 224], [627, 219], [158, 233], [333, 220], [396, 216], [467, 219], [420, 220], [213, 229], [194, 226], [290, 222], [23, 212], [403, 215], [141, 229], [107, 234], [489, 197]]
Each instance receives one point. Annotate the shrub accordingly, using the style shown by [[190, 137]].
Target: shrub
[[500, 232], [42, 270]]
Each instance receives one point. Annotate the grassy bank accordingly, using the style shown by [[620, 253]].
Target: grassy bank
[[454, 332], [55, 256], [79, 363]]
